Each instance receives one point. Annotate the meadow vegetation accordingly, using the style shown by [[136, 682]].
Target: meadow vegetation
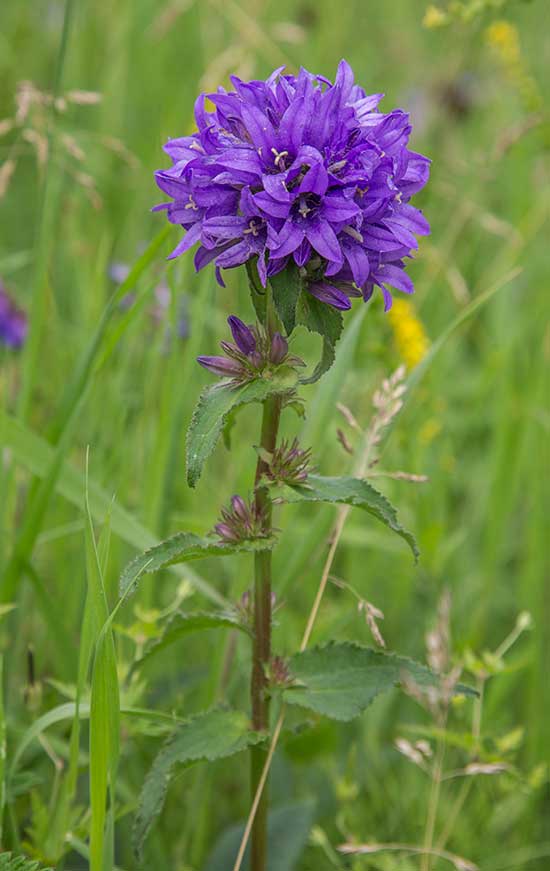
[[95, 405]]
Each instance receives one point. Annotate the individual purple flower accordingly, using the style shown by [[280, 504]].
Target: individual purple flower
[[252, 351], [297, 169], [13, 321]]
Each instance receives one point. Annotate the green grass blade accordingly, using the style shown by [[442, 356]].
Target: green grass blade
[[35, 454], [104, 706], [2, 749]]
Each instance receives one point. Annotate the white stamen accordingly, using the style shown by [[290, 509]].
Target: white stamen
[[304, 208], [355, 234], [191, 204], [279, 155], [336, 166], [253, 227]]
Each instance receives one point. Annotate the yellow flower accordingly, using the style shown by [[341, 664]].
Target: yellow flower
[[429, 431], [504, 39], [434, 17], [409, 334]]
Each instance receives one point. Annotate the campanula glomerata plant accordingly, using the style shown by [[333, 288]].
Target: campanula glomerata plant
[[308, 185]]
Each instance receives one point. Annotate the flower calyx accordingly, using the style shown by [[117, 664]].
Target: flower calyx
[[287, 464], [254, 353], [278, 674], [241, 521]]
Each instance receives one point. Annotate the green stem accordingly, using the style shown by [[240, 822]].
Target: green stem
[[261, 651]]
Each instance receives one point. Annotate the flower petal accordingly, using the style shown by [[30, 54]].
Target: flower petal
[[192, 236], [331, 295], [323, 238]]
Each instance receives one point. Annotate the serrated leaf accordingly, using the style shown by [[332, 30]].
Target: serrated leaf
[[288, 828], [183, 624], [340, 680], [65, 712], [181, 548], [9, 862], [286, 287], [213, 407], [318, 317], [212, 735], [347, 491]]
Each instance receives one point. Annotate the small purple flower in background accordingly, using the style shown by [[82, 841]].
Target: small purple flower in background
[[118, 272], [297, 169], [13, 321], [251, 352]]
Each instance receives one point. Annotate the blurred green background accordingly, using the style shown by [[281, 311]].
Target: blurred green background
[[76, 200]]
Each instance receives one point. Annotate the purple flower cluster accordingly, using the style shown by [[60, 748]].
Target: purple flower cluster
[[251, 352], [13, 321], [299, 169]]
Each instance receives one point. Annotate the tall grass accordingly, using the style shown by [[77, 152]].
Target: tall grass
[[98, 377]]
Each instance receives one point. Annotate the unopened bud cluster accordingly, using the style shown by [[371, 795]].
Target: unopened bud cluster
[[240, 522], [289, 464], [253, 352], [278, 672]]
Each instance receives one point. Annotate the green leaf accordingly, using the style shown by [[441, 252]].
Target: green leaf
[[184, 547], [216, 403], [288, 828], [286, 287], [104, 705], [340, 680], [258, 293], [318, 317], [347, 491], [183, 624], [214, 734], [3, 748], [67, 711], [322, 406], [9, 862]]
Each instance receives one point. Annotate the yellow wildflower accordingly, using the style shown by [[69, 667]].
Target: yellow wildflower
[[429, 431], [409, 334], [503, 38], [434, 17]]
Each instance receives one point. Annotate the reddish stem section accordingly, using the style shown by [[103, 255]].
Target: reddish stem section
[[261, 652]]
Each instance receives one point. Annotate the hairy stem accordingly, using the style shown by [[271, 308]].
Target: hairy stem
[[258, 795], [261, 652]]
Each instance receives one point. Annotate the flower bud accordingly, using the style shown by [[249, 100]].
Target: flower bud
[[13, 322], [225, 532], [243, 336], [256, 359], [239, 507], [331, 295], [221, 366], [279, 348]]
